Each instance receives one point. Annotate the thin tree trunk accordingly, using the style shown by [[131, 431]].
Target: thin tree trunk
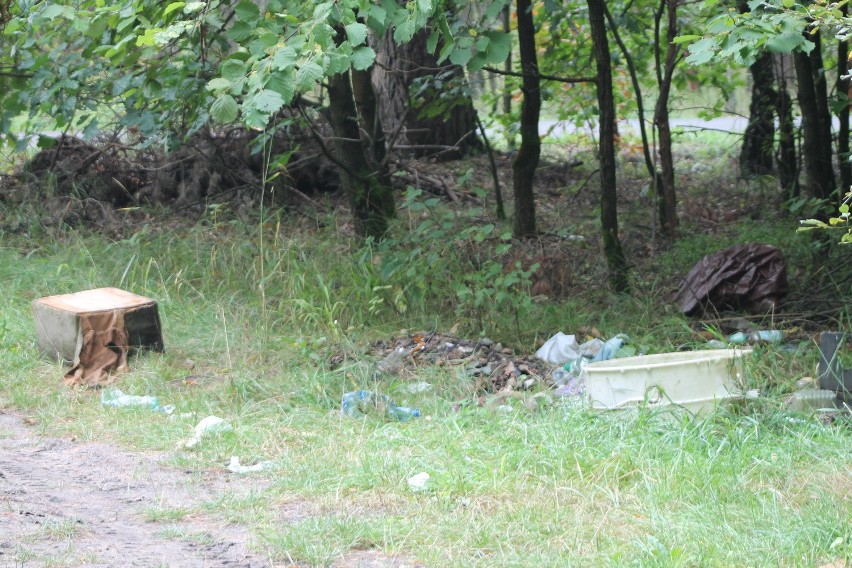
[[787, 159], [759, 139], [640, 107], [507, 66], [843, 115], [526, 161], [665, 72], [816, 131], [616, 261]]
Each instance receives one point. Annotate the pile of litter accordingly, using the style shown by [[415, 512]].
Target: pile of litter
[[496, 368]]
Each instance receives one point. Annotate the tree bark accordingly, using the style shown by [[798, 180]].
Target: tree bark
[[665, 73], [616, 261], [816, 122], [843, 114], [451, 132], [787, 157], [756, 155], [363, 169], [526, 160]]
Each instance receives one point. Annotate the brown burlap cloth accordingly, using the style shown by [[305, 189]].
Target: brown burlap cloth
[[104, 350]]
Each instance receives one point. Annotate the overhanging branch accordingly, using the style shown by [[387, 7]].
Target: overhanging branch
[[569, 80]]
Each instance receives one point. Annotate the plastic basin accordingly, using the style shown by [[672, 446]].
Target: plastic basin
[[694, 380]]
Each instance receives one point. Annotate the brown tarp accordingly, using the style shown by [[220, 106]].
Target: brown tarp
[[751, 277], [104, 349]]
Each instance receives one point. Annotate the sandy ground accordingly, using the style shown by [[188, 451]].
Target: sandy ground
[[88, 504]]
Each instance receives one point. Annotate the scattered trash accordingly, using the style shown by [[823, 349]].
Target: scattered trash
[[738, 338], [694, 380], [358, 403], [750, 276], [417, 388], [559, 349], [482, 359], [208, 426], [116, 398], [418, 482], [814, 400], [563, 350], [767, 336], [394, 362], [95, 329], [235, 467]]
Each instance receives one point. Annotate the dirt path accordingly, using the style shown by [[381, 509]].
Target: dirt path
[[68, 503]]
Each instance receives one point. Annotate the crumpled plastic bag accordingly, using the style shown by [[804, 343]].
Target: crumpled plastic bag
[[559, 349], [751, 277]]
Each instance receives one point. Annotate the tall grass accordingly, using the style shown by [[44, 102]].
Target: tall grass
[[559, 485]]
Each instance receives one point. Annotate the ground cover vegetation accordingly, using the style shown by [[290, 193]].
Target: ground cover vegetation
[[254, 168]]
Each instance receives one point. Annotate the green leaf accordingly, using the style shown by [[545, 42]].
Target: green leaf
[[432, 42], [247, 11], [282, 82], [224, 109], [702, 51], [363, 57], [218, 84], [404, 32], [240, 31], [52, 11], [686, 39], [785, 43], [307, 76], [424, 7], [322, 11], [267, 101], [172, 7], [499, 47], [233, 70], [461, 56], [357, 33], [338, 60], [284, 58]]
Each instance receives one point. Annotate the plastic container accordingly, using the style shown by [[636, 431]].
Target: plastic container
[[694, 380]]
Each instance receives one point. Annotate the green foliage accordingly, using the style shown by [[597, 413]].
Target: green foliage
[[841, 222], [731, 35], [450, 255], [144, 65]]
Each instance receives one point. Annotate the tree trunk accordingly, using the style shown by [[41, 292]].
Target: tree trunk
[[615, 259], [787, 158], [411, 117], [816, 122], [665, 73], [759, 138], [640, 106], [843, 114], [364, 177], [526, 161]]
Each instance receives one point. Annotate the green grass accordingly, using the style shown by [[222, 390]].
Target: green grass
[[752, 485]]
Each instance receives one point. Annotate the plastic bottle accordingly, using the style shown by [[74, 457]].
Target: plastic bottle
[[116, 398], [361, 402], [394, 362], [403, 413]]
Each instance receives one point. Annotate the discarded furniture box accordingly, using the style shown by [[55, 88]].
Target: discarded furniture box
[[693, 380], [95, 329]]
